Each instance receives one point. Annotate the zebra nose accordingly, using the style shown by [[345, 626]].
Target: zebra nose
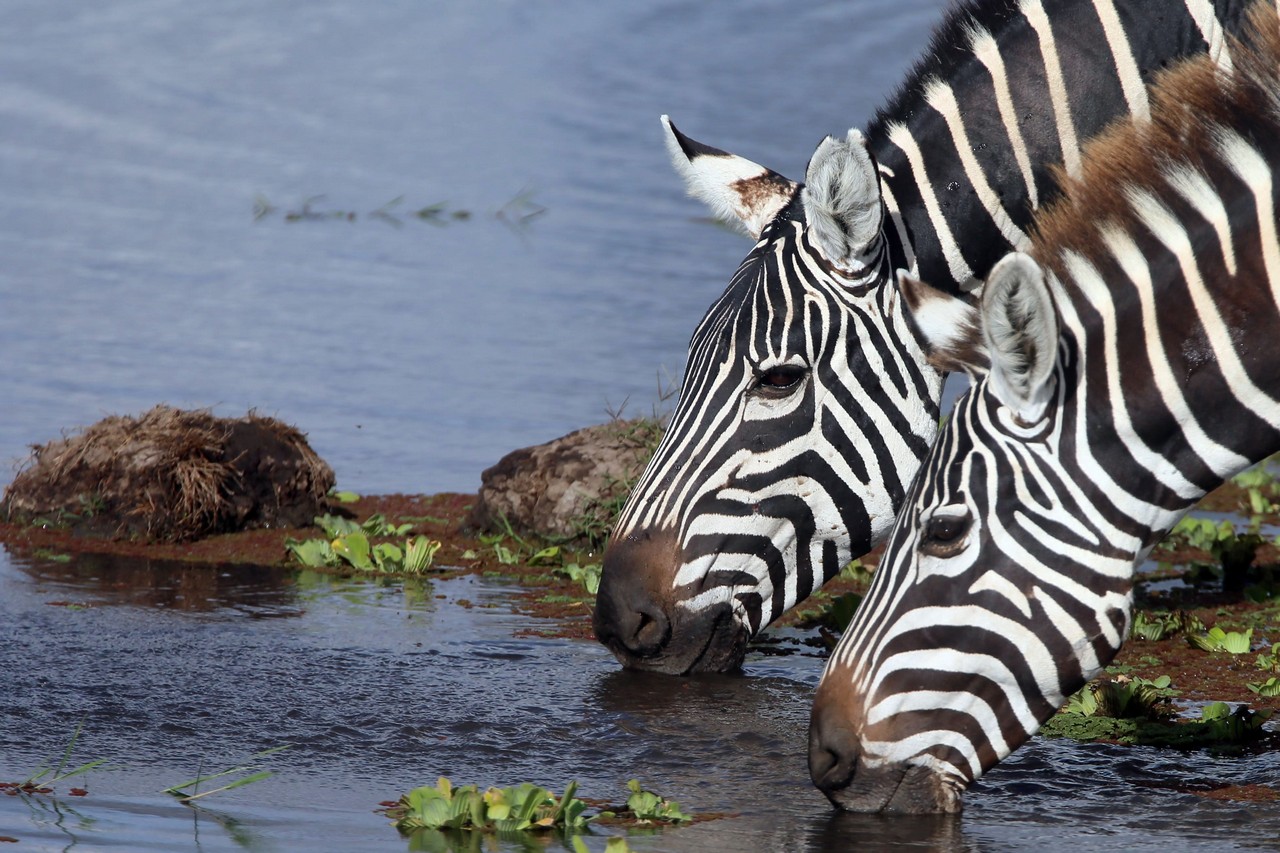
[[625, 616], [833, 750], [631, 617]]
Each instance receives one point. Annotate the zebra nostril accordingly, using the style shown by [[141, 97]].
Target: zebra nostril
[[652, 630]]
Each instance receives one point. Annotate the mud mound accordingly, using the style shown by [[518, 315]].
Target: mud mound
[[569, 488], [172, 475]]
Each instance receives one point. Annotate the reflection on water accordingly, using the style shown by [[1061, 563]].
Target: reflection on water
[[381, 688], [101, 579]]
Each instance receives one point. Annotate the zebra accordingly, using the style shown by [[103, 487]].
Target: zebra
[[1121, 370], [808, 402]]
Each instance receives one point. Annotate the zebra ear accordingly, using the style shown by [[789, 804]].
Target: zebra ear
[[737, 190], [842, 198], [948, 327], [1020, 326]]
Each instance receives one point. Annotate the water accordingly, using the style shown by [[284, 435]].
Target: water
[[139, 134], [138, 137], [380, 688]]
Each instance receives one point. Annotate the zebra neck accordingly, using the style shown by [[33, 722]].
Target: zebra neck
[[969, 144], [1165, 405]]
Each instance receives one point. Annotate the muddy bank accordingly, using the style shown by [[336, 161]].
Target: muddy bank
[[171, 475]]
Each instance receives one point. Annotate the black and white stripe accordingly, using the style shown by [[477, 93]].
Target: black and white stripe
[[808, 401], [1121, 373]]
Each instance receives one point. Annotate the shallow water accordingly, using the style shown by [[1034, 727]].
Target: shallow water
[[380, 687]]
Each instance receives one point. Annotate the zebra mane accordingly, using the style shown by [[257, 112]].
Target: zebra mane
[[950, 50], [1191, 103]]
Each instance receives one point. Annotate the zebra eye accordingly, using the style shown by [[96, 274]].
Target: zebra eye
[[944, 535], [781, 380]]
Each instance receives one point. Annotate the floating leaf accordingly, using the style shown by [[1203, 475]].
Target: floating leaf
[[312, 552]]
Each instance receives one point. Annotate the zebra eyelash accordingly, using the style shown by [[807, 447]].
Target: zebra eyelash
[[945, 532], [780, 380]]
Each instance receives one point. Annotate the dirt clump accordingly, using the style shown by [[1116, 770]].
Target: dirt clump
[[171, 475], [569, 488]]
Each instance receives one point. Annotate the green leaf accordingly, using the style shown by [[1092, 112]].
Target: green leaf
[[1238, 643], [1215, 711], [345, 497], [388, 557], [546, 555], [312, 552], [420, 553], [354, 548], [335, 525], [1268, 689]]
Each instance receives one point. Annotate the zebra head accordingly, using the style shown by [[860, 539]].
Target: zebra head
[[804, 400], [1003, 588]]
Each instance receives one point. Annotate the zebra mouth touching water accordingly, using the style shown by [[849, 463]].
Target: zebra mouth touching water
[[674, 630]]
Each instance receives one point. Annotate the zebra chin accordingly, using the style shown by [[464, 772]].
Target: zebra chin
[[640, 616], [840, 769]]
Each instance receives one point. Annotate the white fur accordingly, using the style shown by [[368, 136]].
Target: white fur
[[1018, 314], [711, 180], [944, 321], [842, 198]]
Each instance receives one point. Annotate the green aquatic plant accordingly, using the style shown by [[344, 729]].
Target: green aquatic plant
[[522, 550], [1238, 726], [1123, 698], [1218, 727], [1218, 640], [1268, 661], [47, 774], [1233, 549], [837, 615], [375, 525], [189, 791], [355, 550], [1260, 488], [588, 575], [524, 807], [1268, 689], [348, 542], [648, 807], [1158, 625]]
